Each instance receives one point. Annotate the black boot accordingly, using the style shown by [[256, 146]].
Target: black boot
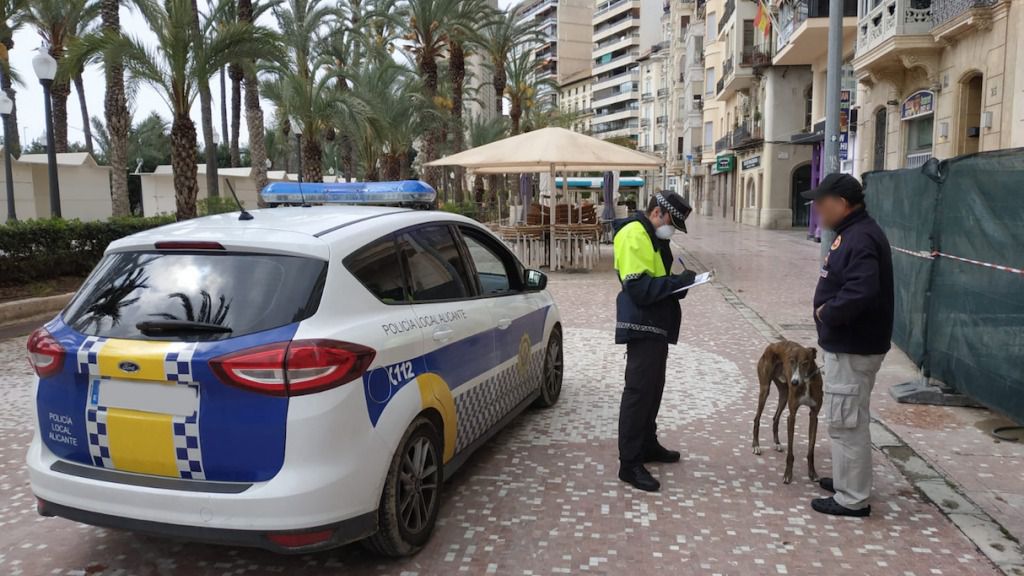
[[833, 508], [659, 453], [826, 484], [639, 478]]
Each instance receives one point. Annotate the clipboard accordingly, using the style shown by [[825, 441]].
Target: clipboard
[[702, 278]]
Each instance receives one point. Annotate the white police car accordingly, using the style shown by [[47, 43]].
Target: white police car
[[294, 381]]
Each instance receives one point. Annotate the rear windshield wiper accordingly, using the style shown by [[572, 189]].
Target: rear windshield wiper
[[158, 326]]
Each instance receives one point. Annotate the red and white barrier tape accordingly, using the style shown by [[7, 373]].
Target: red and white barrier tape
[[935, 254]]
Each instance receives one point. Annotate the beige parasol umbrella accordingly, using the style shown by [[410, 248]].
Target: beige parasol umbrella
[[550, 150]]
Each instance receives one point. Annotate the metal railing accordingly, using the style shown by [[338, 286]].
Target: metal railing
[[662, 92], [917, 160], [662, 119], [945, 10]]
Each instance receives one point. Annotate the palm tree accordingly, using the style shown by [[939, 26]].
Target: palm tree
[[428, 37], [462, 34], [173, 68], [483, 130], [500, 37], [115, 110], [294, 85], [520, 88], [57, 22], [12, 17], [253, 111]]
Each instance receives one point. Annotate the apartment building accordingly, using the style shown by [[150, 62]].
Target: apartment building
[[574, 101], [622, 31], [564, 50], [937, 78]]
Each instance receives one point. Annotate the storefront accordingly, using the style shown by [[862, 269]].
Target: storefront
[[723, 185], [917, 118]]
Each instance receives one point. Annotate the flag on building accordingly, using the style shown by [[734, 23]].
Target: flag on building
[[763, 20]]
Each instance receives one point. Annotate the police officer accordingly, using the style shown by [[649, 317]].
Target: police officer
[[853, 310], [647, 321]]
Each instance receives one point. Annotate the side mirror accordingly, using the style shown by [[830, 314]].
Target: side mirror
[[535, 280]]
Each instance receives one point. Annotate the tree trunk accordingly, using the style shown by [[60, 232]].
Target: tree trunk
[[254, 114], [206, 110], [499, 82], [235, 73], [115, 108], [183, 164], [392, 166], [86, 124], [457, 76], [428, 71], [59, 92], [516, 114], [225, 136], [312, 157]]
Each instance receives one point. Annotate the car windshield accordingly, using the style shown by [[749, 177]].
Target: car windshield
[[195, 296]]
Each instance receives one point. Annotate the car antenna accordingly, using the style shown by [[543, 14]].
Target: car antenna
[[245, 215]]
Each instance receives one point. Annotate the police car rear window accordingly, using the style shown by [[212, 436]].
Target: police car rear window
[[243, 293]]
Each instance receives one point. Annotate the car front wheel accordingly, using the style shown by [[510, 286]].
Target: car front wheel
[[412, 493], [551, 383]]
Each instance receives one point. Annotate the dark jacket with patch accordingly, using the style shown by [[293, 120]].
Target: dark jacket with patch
[[646, 308], [856, 289]]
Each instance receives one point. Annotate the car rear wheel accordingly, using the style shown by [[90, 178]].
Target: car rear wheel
[[551, 383], [412, 493]]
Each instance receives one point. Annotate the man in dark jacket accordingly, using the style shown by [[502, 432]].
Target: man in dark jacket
[[853, 310], [647, 321]]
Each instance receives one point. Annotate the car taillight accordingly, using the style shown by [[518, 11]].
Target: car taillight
[[294, 368], [301, 539], [44, 353]]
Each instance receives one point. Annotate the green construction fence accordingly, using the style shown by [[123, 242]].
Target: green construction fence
[[957, 232]]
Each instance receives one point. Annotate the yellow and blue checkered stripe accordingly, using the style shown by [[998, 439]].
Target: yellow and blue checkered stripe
[[136, 441]]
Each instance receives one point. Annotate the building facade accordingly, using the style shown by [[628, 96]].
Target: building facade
[[937, 78], [622, 31], [564, 48], [574, 102]]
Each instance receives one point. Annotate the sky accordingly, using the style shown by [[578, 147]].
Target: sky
[[31, 116]]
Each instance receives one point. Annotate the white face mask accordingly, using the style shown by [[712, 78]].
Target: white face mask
[[665, 231]]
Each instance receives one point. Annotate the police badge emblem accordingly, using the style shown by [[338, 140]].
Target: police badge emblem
[[837, 242]]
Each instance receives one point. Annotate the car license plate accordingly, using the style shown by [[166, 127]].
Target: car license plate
[[158, 397]]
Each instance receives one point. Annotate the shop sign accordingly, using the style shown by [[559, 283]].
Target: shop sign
[[724, 164], [844, 125], [920, 103], [751, 163]]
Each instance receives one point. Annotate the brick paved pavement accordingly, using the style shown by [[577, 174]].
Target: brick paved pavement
[[542, 497]]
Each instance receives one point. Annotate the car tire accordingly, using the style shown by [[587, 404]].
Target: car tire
[[411, 498], [551, 377]]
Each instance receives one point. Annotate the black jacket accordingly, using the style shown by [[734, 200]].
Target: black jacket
[[856, 289], [646, 308]]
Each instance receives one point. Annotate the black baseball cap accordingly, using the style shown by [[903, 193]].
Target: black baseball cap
[[676, 206], [836, 184]]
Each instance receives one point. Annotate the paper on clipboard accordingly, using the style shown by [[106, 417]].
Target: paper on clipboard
[[702, 278]]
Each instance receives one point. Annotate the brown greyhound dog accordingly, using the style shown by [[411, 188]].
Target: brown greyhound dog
[[795, 372]]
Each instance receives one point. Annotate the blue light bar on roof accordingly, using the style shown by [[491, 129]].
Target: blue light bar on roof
[[399, 192]]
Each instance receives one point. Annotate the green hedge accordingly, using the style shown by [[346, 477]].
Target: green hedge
[[37, 250]]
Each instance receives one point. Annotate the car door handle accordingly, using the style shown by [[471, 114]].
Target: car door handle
[[504, 323], [442, 334]]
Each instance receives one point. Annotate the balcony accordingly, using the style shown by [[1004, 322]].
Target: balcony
[[760, 59], [647, 97], [603, 65], [659, 147], [730, 7], [892, 18], [604, 8], [662, 92], [953, 18], [736, 78], [615, 81], [662, 120], [803, 31], [607, 30], [645, 122], [723, 143]]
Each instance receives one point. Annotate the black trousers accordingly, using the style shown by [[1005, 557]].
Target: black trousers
[[641, 398]]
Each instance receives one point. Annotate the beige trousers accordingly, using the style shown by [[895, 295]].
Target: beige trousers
[[849, 379]]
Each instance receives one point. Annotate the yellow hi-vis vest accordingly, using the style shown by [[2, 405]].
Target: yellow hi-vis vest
[[635, 255]]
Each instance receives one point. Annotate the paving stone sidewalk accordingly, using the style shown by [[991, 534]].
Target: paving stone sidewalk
[[542, 497]]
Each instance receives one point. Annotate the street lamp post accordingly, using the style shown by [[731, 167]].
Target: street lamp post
[[46, 69], [6, 106], [297, 129]]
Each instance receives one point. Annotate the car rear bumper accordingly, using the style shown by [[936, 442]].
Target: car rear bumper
[[343, 532]]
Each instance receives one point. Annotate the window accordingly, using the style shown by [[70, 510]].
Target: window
[[712, 30], [435, 267], [244, 292], [491, 268], [709, 134], [379, 269], [709, 81], [919, 135]]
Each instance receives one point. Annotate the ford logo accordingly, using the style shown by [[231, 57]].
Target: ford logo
[[128, 367]]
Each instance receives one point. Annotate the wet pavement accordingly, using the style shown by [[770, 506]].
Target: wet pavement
[[542, 497]]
